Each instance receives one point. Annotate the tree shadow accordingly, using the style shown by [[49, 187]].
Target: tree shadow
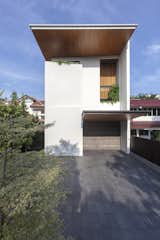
[[112, 196], [64, 148], [138, 176]]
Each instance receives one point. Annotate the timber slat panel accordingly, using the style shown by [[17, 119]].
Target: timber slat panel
[[104, 92], [107, 78]]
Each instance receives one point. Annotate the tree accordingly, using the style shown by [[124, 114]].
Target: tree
[[144, 96], [29, 186], [156, 135], [17, 129]]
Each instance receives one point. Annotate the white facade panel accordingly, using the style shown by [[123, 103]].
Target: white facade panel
[[63, 107], [125, 136], [63, 84], [91, 86], [66, 135], [124, 78]]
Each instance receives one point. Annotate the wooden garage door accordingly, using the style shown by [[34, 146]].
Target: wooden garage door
[[101, 135]]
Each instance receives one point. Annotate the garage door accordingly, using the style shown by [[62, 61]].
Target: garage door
[[101, 135]]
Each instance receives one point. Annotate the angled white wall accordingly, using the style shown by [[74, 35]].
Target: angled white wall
[[124, 77], [91, 86], [125, 136], [63, 98], [91, 83], [124, 82]]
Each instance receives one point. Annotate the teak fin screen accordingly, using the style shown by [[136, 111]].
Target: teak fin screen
[[107, 78]]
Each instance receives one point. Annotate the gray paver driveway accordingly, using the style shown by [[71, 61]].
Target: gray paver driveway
[[113, 196]]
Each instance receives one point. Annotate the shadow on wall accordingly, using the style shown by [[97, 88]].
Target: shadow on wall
[[64, 148]]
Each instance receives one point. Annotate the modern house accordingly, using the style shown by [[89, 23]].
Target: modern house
[[82, 64], [144, 126]]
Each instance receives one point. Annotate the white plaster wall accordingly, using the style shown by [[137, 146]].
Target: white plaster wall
[[125, 136], [124, 77], [63, 98], [91, 84], [65, 137], [124, 83]]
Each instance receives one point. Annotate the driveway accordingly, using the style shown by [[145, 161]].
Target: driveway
[[113, 196]]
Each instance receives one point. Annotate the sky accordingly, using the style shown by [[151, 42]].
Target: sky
[[21, 61]]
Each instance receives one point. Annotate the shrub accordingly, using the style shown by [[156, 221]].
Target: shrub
[[30, 198], [113, 95]]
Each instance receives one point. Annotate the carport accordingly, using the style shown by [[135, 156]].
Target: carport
[[107, 130]]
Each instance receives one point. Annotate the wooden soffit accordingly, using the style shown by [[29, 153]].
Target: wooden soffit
[[111, 115], [81, 40]]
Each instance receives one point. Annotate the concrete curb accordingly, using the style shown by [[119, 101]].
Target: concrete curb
[[146, 162]]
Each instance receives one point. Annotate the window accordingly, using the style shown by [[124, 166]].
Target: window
[[154, 111], [107, 77], [143, 132], [149, 111], [133, 132]]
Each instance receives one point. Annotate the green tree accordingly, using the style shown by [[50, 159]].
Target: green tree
[[144, 96], [30, 182], [17, 129], [156, 135]]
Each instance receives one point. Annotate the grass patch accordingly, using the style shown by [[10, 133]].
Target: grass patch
[[30, 198]]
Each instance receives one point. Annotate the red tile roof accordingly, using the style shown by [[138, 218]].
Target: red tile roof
[[37, 104], [145, 124], [145, 103]]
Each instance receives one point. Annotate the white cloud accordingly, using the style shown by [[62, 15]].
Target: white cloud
[[153, 49], [16, 74]]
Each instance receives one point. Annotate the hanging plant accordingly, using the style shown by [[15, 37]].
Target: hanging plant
[[60, 62], [113, 94]]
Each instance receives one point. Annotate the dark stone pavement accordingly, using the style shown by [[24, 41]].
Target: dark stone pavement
[[113, 196]]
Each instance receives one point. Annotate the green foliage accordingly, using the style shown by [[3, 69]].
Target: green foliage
[[37, 142], [30, 183], [60, 62], [144, 96], [156, 135], [31, 197], [113, 95], [14, 97], [17, 129]]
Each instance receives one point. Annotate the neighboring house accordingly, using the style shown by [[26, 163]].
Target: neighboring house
[[82, 63], [158, 96], [33, 106], [144, 125]]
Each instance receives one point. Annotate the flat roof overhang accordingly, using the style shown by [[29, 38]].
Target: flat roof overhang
[[81, 40], [111, 115]]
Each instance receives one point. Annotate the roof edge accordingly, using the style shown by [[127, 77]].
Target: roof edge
[[82, 26]]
